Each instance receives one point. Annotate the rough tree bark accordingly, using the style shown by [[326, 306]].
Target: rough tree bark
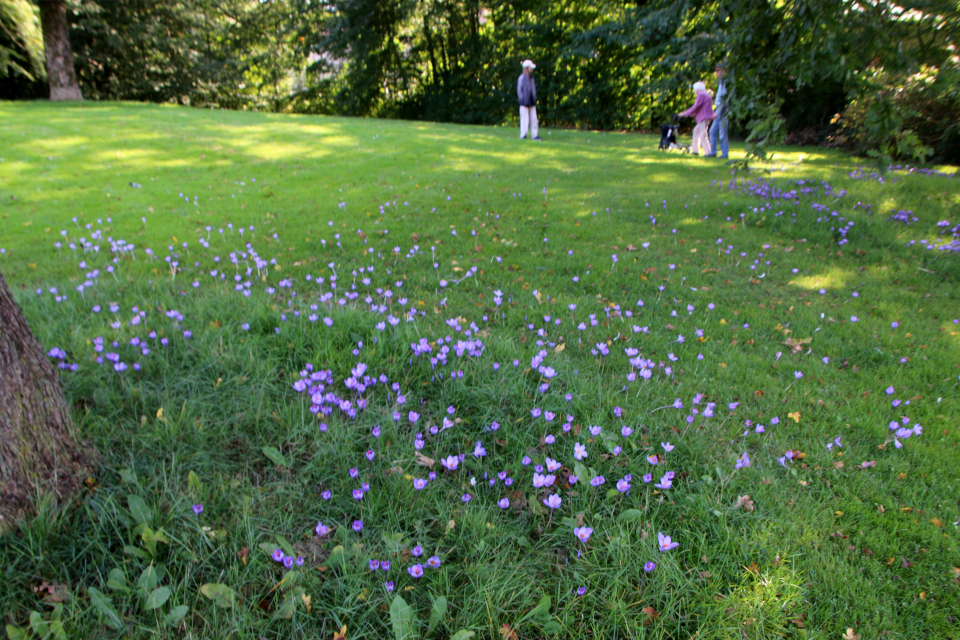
[[39, 451], [56, 42]]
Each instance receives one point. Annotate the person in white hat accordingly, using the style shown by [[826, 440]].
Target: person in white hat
[[527, 95]]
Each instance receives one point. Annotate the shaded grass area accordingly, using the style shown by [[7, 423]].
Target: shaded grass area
[[828, 546]]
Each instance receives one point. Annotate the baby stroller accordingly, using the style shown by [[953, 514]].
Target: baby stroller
[[668, 137]]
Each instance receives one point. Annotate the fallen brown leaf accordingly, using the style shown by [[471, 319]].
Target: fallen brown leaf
[[507, 632], [652, 615], [796, 346], [850, 635], [52, 591], [745, 503], [425, 461], [243, 554]]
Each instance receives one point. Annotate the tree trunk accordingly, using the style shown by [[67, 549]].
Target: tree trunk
[[56, 42], [39, 452]]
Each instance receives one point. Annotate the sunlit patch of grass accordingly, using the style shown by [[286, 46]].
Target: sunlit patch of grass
[[832, 279]]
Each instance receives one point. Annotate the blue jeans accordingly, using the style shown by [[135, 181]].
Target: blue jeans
[[718, 128]]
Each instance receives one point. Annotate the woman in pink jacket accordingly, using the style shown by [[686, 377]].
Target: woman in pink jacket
[[702, 110]]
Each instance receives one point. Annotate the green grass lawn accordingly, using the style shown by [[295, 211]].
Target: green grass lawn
[[247, 307]]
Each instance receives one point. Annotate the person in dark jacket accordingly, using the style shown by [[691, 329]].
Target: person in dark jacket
[[527, 95]]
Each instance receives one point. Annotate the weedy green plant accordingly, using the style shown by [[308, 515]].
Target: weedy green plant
[[355, 378]]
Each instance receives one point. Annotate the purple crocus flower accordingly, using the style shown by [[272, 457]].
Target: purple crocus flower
[[553, 501], [504, 503], [198, 509], [666, 543], [583, 533], [434, 562], [416, 571], [649, 566], [277, 555], [358, 525], [374, 565], [388, 585]]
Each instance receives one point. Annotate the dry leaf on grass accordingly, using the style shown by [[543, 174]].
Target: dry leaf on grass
[[796, 346], [52, 591], [850, 635], [425, 461], [507, 633], [652, 615], [745, 503]]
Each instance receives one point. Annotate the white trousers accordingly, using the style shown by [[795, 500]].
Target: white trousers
[[528, 120], [701, 137]]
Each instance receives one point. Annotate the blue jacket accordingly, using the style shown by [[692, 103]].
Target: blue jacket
[[526, 90]]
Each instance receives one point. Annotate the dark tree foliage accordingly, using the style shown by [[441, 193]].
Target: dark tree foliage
[[22, 67], [199, 52]]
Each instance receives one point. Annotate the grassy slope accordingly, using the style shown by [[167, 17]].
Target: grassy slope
[[780, 570]]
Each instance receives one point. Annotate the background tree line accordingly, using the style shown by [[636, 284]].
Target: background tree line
[[870, 75]]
